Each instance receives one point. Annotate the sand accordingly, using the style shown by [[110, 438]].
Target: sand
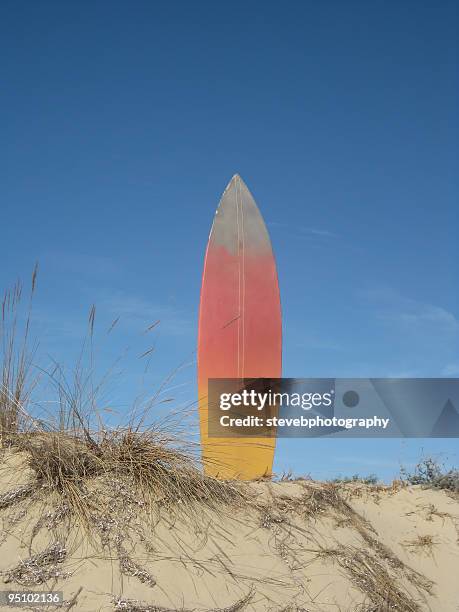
[[293, 545]]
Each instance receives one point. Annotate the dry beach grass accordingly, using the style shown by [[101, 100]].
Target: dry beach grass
[[111, 542], [122, 518]]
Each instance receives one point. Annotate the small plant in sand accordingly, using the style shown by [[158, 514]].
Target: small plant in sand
[[422, 543], [371, 479], [431, 474]]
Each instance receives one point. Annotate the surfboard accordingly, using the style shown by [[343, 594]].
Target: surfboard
[[240, 329]]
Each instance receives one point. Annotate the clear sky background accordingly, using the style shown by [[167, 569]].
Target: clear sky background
[[121, 124]]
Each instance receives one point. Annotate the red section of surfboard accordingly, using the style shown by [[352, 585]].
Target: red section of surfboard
[[239, 324]]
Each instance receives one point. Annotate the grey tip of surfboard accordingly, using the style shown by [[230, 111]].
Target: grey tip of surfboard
[[235, 180], [239, 187], [238, 212]]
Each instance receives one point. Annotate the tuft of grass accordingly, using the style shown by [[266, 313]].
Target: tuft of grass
[[422, 543], [432, 510], [68, 462]]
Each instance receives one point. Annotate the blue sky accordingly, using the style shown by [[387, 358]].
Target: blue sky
[[121, 125]]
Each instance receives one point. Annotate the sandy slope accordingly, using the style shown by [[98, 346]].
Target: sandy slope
[[293, 546]]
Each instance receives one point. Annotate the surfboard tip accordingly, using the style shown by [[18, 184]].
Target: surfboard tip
[[236, 178], [233, 182]]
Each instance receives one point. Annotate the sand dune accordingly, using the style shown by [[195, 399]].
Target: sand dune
[[291, 545]]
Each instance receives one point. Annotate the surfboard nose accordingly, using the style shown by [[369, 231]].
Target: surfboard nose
[[238, 194], [235, 180], [238, 220]]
